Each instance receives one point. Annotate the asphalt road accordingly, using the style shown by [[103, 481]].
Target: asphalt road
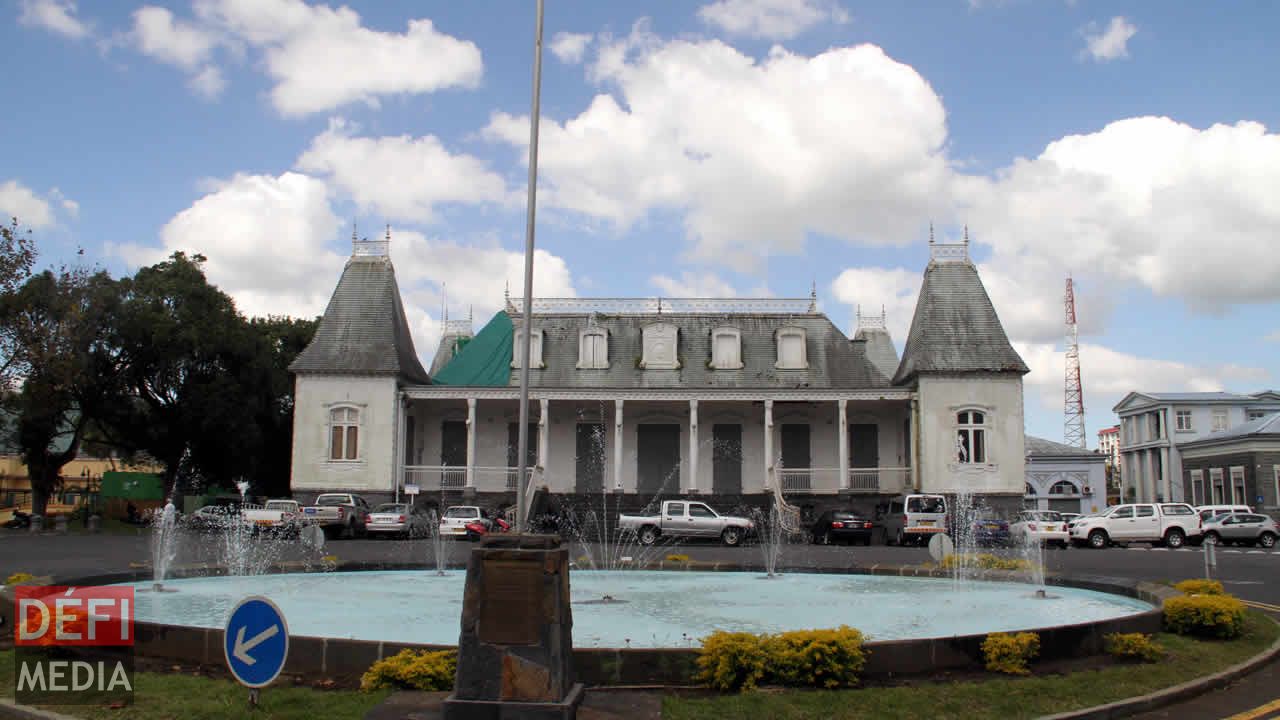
[[1249, 573]]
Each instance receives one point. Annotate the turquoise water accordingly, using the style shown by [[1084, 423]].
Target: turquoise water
[[662, 608]]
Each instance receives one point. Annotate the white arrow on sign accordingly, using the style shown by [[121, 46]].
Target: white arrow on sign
[[242, 648]]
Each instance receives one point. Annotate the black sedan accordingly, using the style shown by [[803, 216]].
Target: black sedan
[[837, 526]]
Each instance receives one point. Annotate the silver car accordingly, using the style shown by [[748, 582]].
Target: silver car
[[399, 519], [1244, 528]]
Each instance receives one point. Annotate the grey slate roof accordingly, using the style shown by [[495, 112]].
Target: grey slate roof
[[880, 350], [1194, 396], [1268, 425], [364, 330], [955, 327], [834, 360], [446, 351], [1040, 447]]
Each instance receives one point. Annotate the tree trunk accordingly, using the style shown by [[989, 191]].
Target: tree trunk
[[44, 480]]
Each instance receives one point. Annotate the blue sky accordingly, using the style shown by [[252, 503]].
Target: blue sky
[[729, 147]]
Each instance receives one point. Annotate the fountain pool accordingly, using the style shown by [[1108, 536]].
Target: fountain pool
[[653, 609]]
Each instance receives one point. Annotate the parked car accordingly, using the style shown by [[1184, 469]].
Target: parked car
[[1069, 518], [1207, 511], [279, 516], [212, 518], [1169, 524], [455, 520], [1044, 527], [338, 514], [413, 521], [989, 529], [1243, 528], [915, 518], [680, 518], [836, 526]]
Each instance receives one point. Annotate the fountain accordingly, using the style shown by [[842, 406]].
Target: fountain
[[772, 536], [439, 544], [164, 545]]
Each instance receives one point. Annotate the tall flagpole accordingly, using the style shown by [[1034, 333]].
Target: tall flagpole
[[522, 484]]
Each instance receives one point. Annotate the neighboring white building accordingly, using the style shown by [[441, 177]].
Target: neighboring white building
[[647, 397], [1154, 425], [1064, 477]]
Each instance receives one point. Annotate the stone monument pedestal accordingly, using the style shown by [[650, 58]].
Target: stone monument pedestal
[[515, 651]]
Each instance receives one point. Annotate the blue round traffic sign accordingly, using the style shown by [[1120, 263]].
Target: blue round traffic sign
[[256, 641]]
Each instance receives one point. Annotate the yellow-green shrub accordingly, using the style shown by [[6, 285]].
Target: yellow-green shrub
[[412, 670], [1220, 616], [1133, 646], [984, 561], [1010, 653], [732, 660], [1200, 587], [817, 658], [19, 577]]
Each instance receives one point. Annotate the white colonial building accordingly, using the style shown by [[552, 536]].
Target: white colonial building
[[647, 397]]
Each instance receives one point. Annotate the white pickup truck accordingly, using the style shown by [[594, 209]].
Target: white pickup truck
[[338, 514], [284, 516], [683, 518], [1170, 524]]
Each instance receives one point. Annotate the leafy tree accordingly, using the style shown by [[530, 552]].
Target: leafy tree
[[17, 257], [280, 340], [185, 359], [58, 324]]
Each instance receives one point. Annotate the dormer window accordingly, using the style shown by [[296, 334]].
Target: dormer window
[[791, 349], [593, 349], [660, 347], [535, 352], [726, 348]]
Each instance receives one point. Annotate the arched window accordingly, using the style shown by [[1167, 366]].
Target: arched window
[[535, 352], [1064, 487], [344, 433], [971, 437], [791, 349], [593, 349], [726, 348]]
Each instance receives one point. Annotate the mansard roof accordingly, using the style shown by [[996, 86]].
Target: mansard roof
[[955, 328], [835, 361], [364, 330]]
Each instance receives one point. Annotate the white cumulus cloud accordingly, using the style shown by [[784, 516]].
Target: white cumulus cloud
[[32, 209], [323, 58], [268, 240], [754, 153], [57, 16], [1109, 43], [569, 48], [871, 291], [771, 19], [400, 177], [693, 285]]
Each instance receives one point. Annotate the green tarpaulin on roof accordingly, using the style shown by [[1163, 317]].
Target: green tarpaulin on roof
[[485, 361]]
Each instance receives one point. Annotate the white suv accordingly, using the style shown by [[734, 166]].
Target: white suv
[[1170, 524]]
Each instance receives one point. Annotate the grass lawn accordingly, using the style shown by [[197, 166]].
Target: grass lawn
[[1001, 697], [159, 696]]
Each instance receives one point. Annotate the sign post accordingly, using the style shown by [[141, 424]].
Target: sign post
[[255, 644]]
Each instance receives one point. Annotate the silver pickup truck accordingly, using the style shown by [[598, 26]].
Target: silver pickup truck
[[684, 518], [338, 514]]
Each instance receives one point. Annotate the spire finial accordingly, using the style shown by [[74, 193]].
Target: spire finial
[[388, 232], [444, 301], [354, 238], [930, 232], [966, 234], [813, 295]]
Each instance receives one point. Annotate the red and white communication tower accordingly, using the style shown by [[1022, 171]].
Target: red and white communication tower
[[1073, 400]]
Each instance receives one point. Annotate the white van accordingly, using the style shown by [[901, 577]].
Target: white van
[[915, 518]]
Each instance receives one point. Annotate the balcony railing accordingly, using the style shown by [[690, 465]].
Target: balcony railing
[[452, 477], [876, 480]]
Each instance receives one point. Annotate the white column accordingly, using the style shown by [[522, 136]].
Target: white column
[[617, 445], [693, 446], [768, 445], [842, 427], [1167, 475], [914, 417], [398, 447], [544, 430], [471, 443]]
